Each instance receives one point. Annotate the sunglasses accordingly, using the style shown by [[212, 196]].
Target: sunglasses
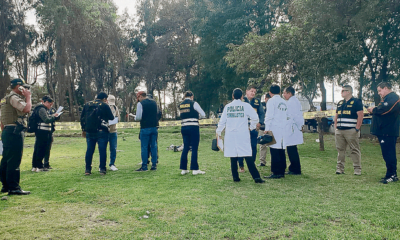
[[345, 90]]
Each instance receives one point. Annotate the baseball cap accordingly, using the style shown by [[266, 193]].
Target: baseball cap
[[19, 81], [111, 100], [140, 93], [102, 95]]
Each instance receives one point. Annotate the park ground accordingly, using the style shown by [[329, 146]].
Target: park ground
[[66, 204]]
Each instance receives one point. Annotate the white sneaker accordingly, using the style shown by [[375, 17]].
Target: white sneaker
[[185, 172], [34, 169], [39, 169], [140, 163], [195, 172], [113, 168]]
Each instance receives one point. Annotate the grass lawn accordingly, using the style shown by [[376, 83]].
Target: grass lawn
[[66, 204]]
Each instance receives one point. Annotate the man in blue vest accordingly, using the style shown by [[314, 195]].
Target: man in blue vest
[[190, 112], [348, 120], [256, 104], [146, 113]]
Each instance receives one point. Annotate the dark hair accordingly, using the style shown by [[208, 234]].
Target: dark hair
[[348, 87], [383, 85], [188, 94], [102, 95], [47, 98], [267, 95], [250, 87], [275, 89], [237, 93], [290, 89]]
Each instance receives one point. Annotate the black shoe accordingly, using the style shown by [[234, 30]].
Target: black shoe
[[292, 173], [393, 178], [4, 190], [339, 172], [259, 180], [88, 172], [236, 179], [275, 176], [103, 172], [141, 170], [18, 192], [153, 168], [45, 169], [261, 165]]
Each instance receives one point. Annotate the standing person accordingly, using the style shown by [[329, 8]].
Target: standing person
[[94, 122], [276, 122], [46, 163], [348, 120], [385, 125], [294, 131], [14, 110], [256, 104], [146, 113], [113, 135], [190, 113], [235, 121], [263, 147], [43, 132]]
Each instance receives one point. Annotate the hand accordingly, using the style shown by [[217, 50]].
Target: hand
[[258, 126], [26, 92], [56, 114], [84, 134], [370, 109]]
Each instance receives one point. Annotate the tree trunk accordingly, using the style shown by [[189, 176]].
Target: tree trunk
[[323, 94], [320, 134]]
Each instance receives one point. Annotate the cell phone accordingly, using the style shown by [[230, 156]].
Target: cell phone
[[20, 88]]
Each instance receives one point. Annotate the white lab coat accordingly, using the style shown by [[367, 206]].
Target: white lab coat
[[234, 120], [276, 120], [296, 121]]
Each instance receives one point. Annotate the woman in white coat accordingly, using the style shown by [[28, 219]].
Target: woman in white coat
[[294, 133], [234, 120], [276, 122]]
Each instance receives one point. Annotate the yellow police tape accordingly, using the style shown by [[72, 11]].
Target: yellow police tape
[[77, 125], [328, 113]]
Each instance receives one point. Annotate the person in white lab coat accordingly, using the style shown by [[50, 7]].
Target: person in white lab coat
[[234, 120], [276, 121], [295, 135]]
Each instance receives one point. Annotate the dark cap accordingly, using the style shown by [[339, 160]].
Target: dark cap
[[140, 93], [47, 99], [18, 81], [102, 95]]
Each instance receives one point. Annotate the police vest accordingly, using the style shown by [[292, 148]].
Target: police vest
[[42, 125], [347, 113], [9, 114], [189, 116]]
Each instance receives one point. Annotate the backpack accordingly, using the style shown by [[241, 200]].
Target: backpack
[[92, 117], [32, 120]]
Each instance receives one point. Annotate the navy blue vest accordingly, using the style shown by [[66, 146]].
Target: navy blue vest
[[189, 116]]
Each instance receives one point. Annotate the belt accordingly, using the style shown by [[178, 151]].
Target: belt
[[10, 125], [44, 128]]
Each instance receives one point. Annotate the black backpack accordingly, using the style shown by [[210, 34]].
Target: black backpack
[[92, 117], [32, 120]]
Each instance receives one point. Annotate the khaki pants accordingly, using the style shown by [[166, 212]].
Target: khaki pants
[[263, 149], [349, 138]]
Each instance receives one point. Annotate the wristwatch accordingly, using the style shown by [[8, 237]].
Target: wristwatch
[[357, 130]]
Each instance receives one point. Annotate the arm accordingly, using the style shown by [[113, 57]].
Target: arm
[[360, 117], [83, 118], [252, 114], [221, 123], [335, 120], [261, 114], [139, 111], [46, 118], [28, 101], [107, 113], [269, 116], [197, 107], [381, 109]]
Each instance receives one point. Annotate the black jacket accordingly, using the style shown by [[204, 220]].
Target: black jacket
[[385, 117]]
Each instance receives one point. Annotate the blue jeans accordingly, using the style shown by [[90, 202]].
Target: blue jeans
[[101, 138], [191, 138], [253, 140], [148, 135], [112, 138]]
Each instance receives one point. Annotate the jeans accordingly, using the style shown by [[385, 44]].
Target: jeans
[[101, 138], [148, 135], [191, 138], [113, 139], [253, 141], [388, 148]]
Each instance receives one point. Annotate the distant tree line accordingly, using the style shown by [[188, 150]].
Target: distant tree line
[[81, 47]]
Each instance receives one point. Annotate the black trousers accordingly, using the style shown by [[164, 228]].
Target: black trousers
[[42, 146], [47, 156], [253, 142], [13, 145], [250, 165], [191, 139], [388, 148], [294, 159], [278, 161]]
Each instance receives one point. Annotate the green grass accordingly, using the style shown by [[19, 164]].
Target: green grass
[[317, 205]]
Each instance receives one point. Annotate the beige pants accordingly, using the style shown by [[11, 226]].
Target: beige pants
[[349, 138], [263, 149]]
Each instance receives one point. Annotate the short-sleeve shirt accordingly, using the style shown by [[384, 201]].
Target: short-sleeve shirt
[[18, 103]]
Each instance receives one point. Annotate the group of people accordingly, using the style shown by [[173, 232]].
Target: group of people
[[243, 119]]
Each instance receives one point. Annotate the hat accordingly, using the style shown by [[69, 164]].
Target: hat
[[139, 94], [102, 95], [19, 81], [111, 100], [47, 99]]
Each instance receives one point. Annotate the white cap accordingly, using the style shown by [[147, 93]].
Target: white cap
[[111, 100]]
